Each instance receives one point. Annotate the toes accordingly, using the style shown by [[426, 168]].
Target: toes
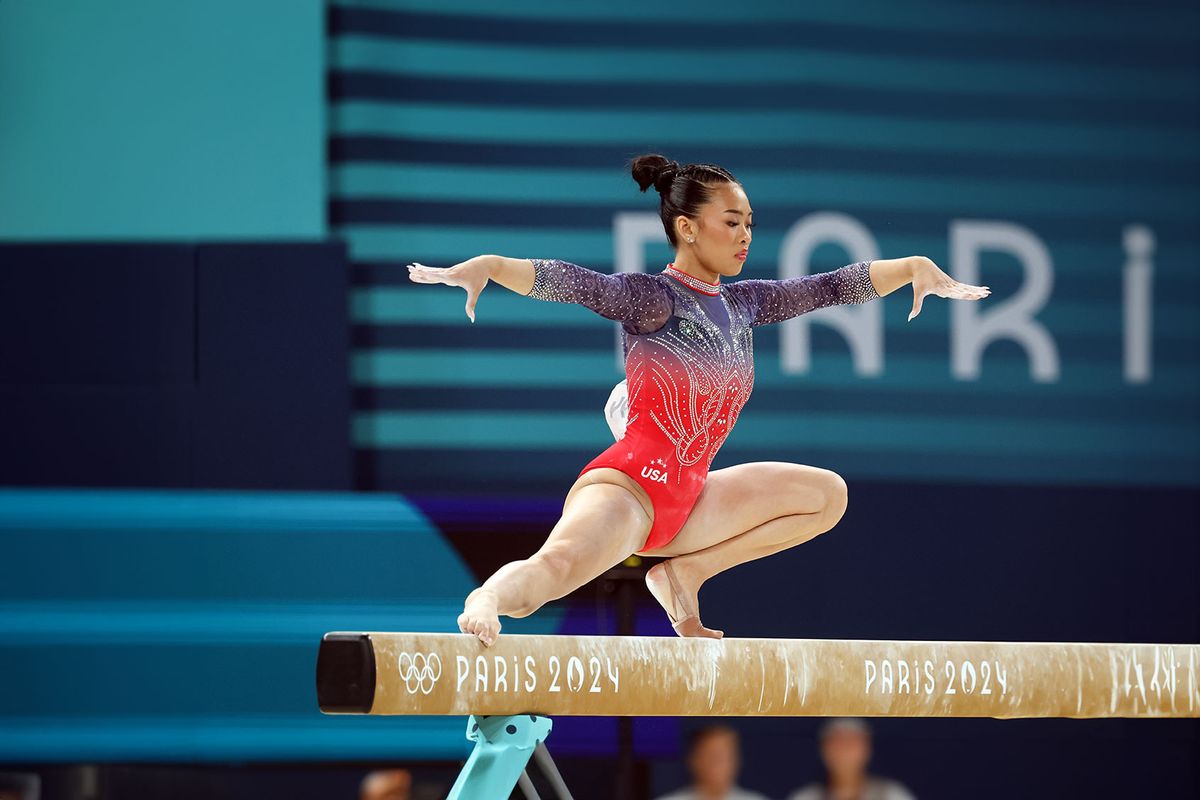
[[486, 630]]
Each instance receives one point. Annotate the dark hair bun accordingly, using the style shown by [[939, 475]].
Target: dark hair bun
[[682, 190], [654, 170]]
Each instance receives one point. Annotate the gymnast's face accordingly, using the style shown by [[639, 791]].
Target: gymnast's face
[[722, 230]]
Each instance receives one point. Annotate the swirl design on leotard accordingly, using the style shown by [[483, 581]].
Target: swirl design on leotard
[[699, 379]]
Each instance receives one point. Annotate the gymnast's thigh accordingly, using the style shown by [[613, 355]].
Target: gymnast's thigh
[[744, 496], [614, 519], [600, 470]]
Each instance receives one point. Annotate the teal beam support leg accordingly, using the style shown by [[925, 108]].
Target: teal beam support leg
[[503, 745]]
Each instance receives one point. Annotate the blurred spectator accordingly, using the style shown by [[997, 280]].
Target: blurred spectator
[[386, 784], [20, 786], [846, 749], [713, 759]]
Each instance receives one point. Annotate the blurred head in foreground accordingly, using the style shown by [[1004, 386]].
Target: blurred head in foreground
[[386, 784], [845, 747], [713, 758]]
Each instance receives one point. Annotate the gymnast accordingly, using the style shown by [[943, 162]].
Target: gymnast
[[689, 369]]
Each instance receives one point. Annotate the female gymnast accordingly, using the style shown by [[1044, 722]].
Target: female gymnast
[[689, 369]]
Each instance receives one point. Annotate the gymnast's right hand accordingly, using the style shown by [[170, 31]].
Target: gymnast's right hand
[[471, 275]]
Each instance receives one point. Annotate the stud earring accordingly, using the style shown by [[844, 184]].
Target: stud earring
[[691, 239]]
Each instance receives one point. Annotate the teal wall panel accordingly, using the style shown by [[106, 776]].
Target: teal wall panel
[[161, 120], [161, 625]]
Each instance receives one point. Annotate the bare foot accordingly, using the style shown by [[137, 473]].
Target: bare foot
[[681, 601], [479, 616]]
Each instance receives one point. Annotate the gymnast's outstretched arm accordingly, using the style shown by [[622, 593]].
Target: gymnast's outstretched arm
[[636, 300], [773, 301]]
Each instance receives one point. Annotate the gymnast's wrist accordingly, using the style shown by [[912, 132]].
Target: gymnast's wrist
[[511, 273], [917, 263], [488, 263]]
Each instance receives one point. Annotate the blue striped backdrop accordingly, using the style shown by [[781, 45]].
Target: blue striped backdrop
[[460, 127]]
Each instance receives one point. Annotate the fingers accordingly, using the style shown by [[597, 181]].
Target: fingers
[[419, 273], [966, 290], [953, 291], [963, 291], [423, 274]]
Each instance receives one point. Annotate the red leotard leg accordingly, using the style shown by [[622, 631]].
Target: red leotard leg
[[672, 504]]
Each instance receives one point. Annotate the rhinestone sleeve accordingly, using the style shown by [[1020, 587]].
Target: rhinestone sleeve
[[638, 301], [773, 301]]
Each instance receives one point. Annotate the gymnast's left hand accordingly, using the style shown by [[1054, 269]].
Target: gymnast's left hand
[[471, 275], [927, 279]]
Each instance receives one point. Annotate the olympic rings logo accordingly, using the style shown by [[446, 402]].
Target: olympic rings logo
[[419, 671]]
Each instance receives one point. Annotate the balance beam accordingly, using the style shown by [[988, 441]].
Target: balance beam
[[454, 673]]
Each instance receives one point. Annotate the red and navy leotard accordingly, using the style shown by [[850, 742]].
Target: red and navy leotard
[[689, 363]]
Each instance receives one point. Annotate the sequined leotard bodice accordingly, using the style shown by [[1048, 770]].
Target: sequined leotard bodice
[[689, 362]]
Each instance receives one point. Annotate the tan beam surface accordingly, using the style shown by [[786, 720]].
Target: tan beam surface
[[431, 673]]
